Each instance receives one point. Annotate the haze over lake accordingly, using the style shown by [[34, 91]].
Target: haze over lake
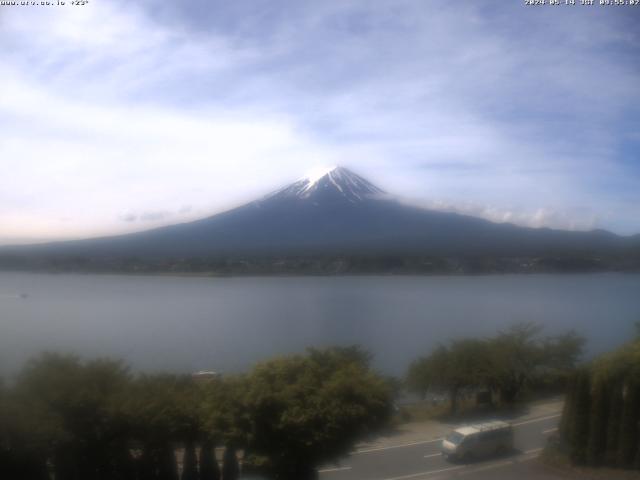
[[227, 324]]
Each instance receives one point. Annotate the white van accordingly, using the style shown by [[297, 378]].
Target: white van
[[478, 440]]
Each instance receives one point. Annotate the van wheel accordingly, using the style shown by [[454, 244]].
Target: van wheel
[[468, 457]]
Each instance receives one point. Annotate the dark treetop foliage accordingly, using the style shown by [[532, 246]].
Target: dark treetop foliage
[[73, 416], [601, 420], [307, 410], [83, 420], [505, 364]]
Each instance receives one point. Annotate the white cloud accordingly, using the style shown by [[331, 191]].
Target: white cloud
[[566, 219], [98, 160]]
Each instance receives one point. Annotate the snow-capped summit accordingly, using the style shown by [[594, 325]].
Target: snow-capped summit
[[334, 183], [336, 212]]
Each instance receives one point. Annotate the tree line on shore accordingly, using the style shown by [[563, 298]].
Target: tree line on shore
[[75, 420], [600, 424], [504, 366], [328, 264]]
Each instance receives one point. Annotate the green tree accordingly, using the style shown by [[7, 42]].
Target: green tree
[[516, 356], [613, 424], [567, 423], [629, 422], [562, 352], [579, 434], [76, 410], [461, 364], [602, 411], [508, 363], [23, 452], [165, 414], [308, 410], [421, 376], [597, 443]]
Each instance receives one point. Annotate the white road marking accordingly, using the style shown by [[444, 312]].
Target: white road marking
[[336, 469], [467, 468], [536, 420], [377, 449], [533, 450], [528, 458], [550, 430], [470, 469], [491, 466], [434, 455]]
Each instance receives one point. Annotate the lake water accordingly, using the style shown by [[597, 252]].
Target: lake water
[[227, 324]]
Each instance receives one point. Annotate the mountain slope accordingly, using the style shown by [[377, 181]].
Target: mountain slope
[[337, 212]]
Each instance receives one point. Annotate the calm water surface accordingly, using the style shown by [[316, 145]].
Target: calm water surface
[[227, 324]]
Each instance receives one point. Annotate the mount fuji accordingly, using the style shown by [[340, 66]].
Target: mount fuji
[[336, 212]]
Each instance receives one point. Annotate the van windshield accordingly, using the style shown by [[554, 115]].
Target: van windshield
[[455, 438]]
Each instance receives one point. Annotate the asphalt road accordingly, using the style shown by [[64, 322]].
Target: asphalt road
[[422, 460]]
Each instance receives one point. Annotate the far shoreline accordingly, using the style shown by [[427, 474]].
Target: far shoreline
[[218, 275]]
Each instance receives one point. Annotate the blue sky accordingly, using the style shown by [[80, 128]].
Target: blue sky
[[120, 116]]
